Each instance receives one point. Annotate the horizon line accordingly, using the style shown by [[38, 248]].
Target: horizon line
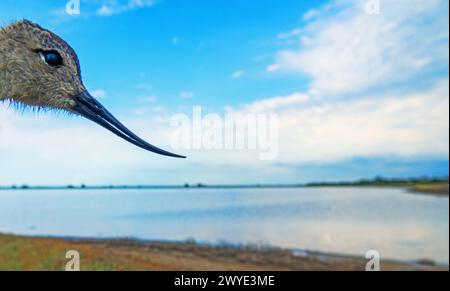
[[362, 182]]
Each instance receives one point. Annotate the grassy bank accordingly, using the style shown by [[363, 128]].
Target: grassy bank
[[437, 189], [423, 186], [31, 253]]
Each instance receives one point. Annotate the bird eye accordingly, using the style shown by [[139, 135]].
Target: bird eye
[[52, 58]]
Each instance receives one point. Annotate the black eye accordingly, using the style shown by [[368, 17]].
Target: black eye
[[52, 58]]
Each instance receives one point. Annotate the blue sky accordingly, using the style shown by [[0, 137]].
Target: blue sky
[[358, 95]]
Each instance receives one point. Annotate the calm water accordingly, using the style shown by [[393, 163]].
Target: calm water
[[343, 220]]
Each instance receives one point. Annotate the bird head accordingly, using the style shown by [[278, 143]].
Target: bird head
[[42, 69], [39, 69]]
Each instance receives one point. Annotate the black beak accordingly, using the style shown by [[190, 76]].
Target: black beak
[[88, 107]]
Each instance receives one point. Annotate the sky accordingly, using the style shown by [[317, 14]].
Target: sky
[[359, 88]]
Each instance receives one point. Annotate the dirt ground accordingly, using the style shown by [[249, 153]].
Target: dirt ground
[[30, 253]]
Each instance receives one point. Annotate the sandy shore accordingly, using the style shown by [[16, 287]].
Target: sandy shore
[[34, 253]]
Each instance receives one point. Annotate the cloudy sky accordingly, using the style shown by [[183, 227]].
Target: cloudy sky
[[358, 92]]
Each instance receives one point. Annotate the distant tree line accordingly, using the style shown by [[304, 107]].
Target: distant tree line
[[377, 181], [381, 181]]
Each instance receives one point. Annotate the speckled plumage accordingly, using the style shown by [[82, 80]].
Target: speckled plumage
[[26, 79]]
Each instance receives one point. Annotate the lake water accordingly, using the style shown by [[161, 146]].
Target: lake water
[[398, 224]]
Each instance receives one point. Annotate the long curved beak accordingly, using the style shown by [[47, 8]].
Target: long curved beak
[[88, 107]]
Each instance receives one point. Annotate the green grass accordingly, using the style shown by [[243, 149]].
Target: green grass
[[22, 253]]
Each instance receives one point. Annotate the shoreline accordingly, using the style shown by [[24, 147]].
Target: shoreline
[[437, 190], [48, 253], [440, 190]]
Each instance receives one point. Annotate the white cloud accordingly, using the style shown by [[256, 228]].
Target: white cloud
[[109, 8], [379, 83], [327, 131], [144, 86], [148, 99], [100, 94], [186, 95], [311, 14], [289, 34], [277, 103], [47, 149], [353, 52], [101, 8], [105, 10], [238, 74], [273, 68], [33, 148]]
